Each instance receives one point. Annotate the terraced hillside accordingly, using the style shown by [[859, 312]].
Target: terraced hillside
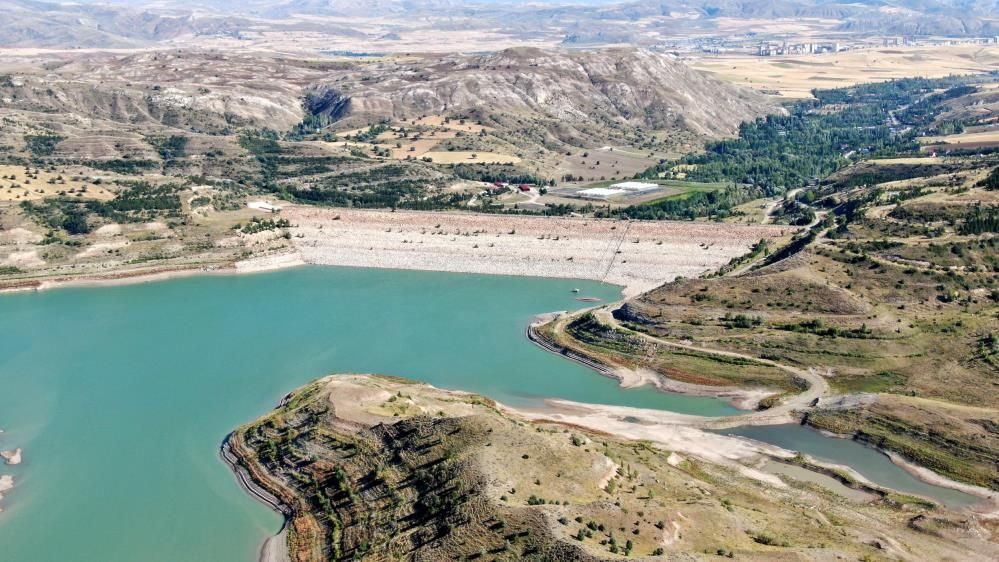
[[890, 299], [383, 468]]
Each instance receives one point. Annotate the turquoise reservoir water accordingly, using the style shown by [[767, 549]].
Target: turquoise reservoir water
[[872, 464], [120, 396]]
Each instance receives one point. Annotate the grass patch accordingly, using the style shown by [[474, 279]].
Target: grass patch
[[885, 381], [901, 500]]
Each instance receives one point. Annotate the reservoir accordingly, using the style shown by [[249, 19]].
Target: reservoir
[[871, 463], [120, 396]]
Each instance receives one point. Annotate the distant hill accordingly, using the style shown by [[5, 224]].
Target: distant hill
[[28, 23], [535, 109], [609, 88], [31, 23]]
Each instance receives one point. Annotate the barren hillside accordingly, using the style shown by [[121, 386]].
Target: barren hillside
[[614, 87], [382, 468], [528, 106]]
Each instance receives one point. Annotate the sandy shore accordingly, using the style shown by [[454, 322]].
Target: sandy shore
[[989, 507], [253, 265], [639, 255], [677, 432], [742, 398], [687, 434], [275, 548]]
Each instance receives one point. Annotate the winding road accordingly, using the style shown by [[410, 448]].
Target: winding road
[[817, 385], [817, 389]]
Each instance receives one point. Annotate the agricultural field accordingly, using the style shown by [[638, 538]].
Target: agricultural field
[[795, 76], [27, 183], [756, 211], [469, 157], [607, 164], [966, 140]]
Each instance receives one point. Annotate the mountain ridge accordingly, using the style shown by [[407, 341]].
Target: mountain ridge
[[618, 86], [36, 23]]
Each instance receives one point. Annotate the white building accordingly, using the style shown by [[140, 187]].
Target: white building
[[599, 193], [625, 187], [634, 186]]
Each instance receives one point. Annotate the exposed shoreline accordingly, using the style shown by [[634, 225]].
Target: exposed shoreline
[[739, 399], [638, 255], [743, 399], [989, 507], [133, 277], [686, 433], [679, 433], [598, 417], [274, 548], [682, 433], [359, 402]]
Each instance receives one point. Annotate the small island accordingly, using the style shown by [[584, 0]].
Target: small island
[[12, 457], [6, 483]]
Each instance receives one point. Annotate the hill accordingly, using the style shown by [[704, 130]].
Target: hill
[[613, 88], [888, 299], [416, 26], [384, 468], [205, 132]]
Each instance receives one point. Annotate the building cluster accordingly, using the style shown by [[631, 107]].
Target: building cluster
[[772, 45], [768, 49], [772, 49], [944, 41], [628, 187]]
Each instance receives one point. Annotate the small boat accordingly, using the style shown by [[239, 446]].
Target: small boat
[[575, 290], [588, 299]]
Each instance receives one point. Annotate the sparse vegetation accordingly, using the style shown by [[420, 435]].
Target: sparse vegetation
[[349, 489], [42, 145]]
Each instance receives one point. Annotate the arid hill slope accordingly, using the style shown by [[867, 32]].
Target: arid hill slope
[[613, 87], [536, 102], [382, 468]]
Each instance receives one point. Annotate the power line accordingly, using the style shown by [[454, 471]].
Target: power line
[[616, 249]]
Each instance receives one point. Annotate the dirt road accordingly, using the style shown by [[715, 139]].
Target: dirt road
[[817, 385]]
